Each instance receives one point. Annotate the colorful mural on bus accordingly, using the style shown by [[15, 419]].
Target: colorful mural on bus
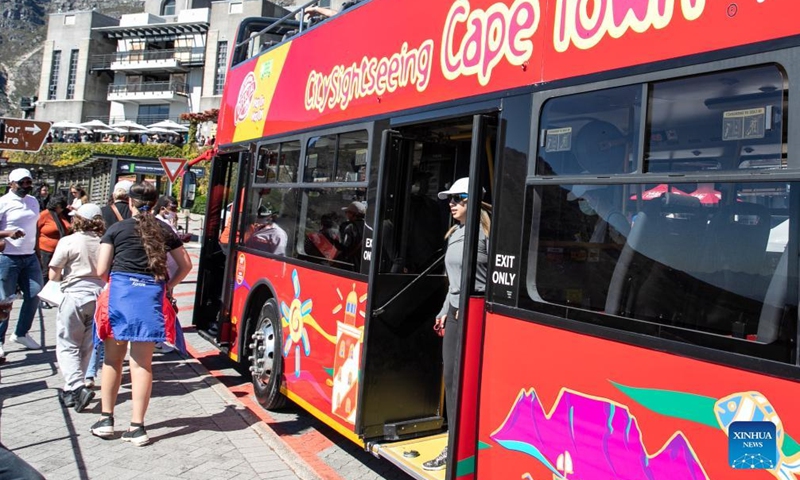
[[575, 407], [322, 318]]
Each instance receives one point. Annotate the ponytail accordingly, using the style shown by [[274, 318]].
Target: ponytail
[[148, 228]]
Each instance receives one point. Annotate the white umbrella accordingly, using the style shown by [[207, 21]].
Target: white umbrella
[[129, 126], [97, 125], [152, 129], [67, 125], [169, 125]]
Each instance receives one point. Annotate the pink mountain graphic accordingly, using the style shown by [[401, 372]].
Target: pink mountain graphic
[[600, 438]]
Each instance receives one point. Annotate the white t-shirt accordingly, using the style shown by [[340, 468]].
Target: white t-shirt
[[19, 214], [271, 238], [76, 254]]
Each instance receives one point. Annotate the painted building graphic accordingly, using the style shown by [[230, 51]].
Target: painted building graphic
[[347, 358]]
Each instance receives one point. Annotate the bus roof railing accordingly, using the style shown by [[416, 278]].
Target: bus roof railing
[[301, 10]]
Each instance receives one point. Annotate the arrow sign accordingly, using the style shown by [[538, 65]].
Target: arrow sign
[[24, 135], [172, 167]]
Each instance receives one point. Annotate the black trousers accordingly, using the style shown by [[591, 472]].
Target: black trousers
[[14, 468], [450, 351]]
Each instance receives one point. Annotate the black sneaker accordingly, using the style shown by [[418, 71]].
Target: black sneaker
[[67, 398], [438, 463], [137, 436], [104, 428], [82, 398]]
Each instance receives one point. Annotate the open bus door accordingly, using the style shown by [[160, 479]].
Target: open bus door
[[217, 242], [402, 403]]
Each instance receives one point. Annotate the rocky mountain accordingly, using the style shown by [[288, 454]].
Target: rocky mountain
[[23, 28]]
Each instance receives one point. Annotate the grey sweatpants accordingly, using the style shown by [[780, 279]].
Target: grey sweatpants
[[74, 328]]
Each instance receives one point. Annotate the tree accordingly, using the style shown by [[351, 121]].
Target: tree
[[196, 118]]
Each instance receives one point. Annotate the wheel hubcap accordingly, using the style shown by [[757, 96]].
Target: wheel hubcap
[[263, 352]]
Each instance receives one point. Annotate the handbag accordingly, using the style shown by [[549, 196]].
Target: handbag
[[51, 293]]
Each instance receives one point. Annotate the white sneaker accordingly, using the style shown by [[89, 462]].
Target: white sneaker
[[162, 347], [26, 342], [2, 354]]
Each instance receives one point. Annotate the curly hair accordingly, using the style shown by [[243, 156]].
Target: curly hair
[[143, 196], [96, 225]]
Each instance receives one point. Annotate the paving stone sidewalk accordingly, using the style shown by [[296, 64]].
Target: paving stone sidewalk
[[198, 428]]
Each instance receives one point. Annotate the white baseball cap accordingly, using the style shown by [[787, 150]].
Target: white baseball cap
[[18, 174], [459, 186], [123, 185], [88, 211], [356, 207]]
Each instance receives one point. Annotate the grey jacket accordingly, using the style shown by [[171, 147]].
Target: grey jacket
[[452, 265]]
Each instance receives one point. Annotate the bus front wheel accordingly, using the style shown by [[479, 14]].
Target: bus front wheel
[[265, 357]]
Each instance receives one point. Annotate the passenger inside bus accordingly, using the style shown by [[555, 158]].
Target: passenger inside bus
[[352, 234], [265, 234]]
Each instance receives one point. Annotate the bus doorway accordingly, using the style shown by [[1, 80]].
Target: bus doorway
[[403, 396], [218, 236]]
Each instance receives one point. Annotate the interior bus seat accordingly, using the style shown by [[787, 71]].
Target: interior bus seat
[[732, 271], [656, 272], [772, 311]]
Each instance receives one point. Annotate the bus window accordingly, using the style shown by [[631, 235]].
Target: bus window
[[331, 229], [278, 163], [271, 220], [351, 162], [289, 162], [267, 163], [320, 159], [700, 257], [734, 121], [590, 133]]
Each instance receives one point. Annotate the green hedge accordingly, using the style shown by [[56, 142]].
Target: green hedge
[[199, 205], [68, 154]]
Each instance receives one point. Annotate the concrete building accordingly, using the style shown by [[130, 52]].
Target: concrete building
[[145, 67]]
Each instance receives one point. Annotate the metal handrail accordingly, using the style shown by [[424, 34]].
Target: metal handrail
[[301, 9], [140, 119], [145, 87], [185, 55], [379, 311]]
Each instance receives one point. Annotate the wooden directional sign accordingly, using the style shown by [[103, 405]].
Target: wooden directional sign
[[24, 135]]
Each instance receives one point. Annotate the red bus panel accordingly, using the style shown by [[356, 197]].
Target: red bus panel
[[322, 316], [559, 404], [385, 57]]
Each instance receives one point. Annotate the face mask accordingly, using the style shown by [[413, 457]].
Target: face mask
[[23, 191], [169, 215], [585, 207]]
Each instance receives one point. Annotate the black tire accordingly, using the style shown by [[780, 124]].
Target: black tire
[[266, 362]]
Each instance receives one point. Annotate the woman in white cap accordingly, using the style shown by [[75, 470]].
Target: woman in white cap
[[447, 323], [74, 263]]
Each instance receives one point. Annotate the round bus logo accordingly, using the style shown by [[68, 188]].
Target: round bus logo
[[240, 267], [246, 92]]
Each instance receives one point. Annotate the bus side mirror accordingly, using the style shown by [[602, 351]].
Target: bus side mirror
[[188, 189]]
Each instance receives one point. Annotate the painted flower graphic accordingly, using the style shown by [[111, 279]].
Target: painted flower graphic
[[294, 316]]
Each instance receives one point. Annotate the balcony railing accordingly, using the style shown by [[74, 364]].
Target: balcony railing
[[148, 87], [141, 119], [182, 56]]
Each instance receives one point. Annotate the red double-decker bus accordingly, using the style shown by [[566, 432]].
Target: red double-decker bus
[[640, 315]]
